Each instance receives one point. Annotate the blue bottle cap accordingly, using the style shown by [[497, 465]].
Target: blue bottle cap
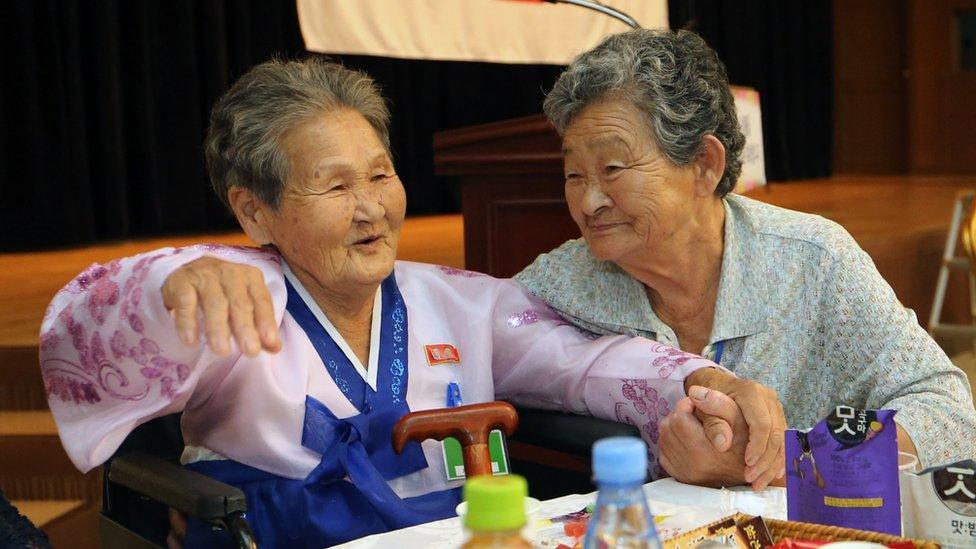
[[620, 460]]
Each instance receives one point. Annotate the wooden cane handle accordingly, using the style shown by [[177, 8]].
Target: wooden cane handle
[[470, 425]]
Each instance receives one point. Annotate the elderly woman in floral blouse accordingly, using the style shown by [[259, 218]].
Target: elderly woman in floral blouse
[[652, 150]]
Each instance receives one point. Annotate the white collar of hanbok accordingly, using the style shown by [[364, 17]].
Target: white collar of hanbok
[[368, 373]]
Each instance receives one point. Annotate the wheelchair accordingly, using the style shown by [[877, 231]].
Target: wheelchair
[[144, 478]]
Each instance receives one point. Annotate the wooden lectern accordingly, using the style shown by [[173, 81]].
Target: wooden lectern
[[511, 177]]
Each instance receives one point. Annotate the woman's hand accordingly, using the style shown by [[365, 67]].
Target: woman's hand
[[177, 530], [765, 455], [234, 302], [704, 448]]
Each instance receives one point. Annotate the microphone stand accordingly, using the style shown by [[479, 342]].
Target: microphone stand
[[606, 10]]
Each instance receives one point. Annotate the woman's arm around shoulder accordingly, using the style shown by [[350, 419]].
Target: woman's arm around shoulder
[[539, 360], [111, 356]]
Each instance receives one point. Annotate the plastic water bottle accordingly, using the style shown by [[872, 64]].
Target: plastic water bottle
[[621, 518]]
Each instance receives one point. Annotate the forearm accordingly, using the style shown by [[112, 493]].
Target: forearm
[[905, 443], [935, 416], [892, 363], [110, 354], [537, 356], [935, 429]]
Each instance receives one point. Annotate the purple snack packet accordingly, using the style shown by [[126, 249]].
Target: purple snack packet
[[844, 471]]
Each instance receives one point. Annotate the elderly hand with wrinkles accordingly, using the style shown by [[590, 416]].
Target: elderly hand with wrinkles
[[232, 300], [708, 440]]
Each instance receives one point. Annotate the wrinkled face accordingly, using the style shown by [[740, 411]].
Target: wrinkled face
[[626, 196], [343, 205]]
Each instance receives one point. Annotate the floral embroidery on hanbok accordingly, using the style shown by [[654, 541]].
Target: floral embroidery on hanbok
[[454, 271], [523, 319], [94, 373]]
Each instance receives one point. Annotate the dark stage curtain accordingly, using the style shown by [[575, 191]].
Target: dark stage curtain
[[105, 102], [430, 96], [104, 105], [784, 50]]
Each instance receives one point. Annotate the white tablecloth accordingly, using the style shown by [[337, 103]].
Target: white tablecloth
[[686, 506]]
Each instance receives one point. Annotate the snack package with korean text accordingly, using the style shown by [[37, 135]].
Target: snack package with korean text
[[939, 504], [844, 471], [739, 531]]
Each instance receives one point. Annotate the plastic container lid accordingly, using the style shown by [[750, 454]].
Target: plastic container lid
[[620, 460], [495, 503]]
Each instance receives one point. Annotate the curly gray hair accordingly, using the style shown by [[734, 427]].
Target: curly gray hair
[[247, 122], [674, 77]]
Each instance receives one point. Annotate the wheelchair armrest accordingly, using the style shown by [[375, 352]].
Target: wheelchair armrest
[[569, 433], [177, 487]]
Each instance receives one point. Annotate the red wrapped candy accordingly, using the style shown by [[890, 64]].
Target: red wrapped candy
[[576, 529]]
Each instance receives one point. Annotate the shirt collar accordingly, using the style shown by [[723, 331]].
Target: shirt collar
[[740, 310], [741, 307]]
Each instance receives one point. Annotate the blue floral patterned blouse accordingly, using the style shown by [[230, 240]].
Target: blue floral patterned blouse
[[802, 309]]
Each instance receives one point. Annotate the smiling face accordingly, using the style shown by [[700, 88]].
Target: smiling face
[[342, 206], [626, 196]]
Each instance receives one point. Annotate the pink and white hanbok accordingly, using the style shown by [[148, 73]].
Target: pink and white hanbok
[[306, 432]]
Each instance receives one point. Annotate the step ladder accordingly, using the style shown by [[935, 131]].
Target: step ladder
[[950, 262]]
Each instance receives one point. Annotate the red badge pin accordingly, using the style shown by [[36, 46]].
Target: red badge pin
[[442, 353]]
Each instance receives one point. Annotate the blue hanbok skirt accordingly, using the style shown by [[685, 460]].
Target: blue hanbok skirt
[[285, 512]]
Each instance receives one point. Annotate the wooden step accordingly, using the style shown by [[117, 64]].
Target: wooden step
[[41, 512], [34, 465], [77, 528], [67, 523], [27, 422], [40, 480], [21, 386]]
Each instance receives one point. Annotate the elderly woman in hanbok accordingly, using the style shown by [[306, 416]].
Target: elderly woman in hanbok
[[318, 342]]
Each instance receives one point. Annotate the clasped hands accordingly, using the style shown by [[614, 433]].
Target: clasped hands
[[728, 431]]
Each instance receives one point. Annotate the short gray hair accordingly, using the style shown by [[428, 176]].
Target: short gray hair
[[242, 146], [674, 77]]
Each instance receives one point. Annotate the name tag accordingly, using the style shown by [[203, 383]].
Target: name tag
[[454, 459], [442, 353]]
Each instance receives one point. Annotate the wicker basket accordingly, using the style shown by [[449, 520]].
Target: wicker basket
[[783, 529]]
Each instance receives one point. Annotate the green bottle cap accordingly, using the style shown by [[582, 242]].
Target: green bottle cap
[[495, 503]]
